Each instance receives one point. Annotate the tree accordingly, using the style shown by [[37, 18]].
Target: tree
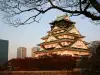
[[51, 62], [90, 65], [88, 8], [93, 46]]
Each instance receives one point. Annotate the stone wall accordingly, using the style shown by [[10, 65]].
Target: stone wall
[[38, 73]]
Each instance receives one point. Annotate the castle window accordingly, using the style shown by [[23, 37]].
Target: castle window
[[65, 36], [69, 36], [47, 46], [52, 45], [62, 31], [51, 40], [79, 44], [60, 37], [64, 43], [57, 31], [72, 37], [68, 42]]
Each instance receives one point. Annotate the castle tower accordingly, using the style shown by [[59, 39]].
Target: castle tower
[[63, 38]]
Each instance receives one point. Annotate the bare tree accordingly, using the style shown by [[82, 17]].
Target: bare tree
[[90, 65], [13, 8], [93, 46]]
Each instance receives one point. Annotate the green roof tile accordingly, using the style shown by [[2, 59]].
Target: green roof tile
[[61, 17]]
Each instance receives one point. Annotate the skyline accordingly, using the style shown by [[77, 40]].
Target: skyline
[[30, 35]]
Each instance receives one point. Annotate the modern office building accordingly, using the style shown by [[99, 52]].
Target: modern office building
[[3, 51], [21, 52]]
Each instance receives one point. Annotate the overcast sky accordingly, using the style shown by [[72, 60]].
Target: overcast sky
[[30, 35]]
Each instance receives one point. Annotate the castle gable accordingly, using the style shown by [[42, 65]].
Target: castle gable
[[51, 38], [56, 27], [79, 44], [58, 46], [74, 30]]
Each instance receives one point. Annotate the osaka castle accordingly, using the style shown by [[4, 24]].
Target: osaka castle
[[63, 39]]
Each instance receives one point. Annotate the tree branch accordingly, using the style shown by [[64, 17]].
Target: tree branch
[[84, 1], [95, 4], [92, 16], [75, 8], [87, 14], [34, 17], [50, 2], [87, 6], [80, 5], [68, 11]]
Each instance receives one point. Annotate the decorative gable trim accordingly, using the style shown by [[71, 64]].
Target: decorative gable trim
[[51, 38], [74, 30], [79, 44], [56, 27], [58, 46]]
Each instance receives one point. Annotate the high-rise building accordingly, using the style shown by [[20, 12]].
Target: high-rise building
[[21, 52], [63, 38], [3, 51]]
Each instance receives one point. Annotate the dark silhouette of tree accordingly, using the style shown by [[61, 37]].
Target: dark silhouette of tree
[[1, 68], [90, 65], [88, 8], [51, 62], [93, 47]]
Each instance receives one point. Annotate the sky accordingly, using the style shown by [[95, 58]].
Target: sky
[[30, 35]]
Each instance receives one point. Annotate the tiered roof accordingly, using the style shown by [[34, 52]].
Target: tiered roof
[[65, 27]]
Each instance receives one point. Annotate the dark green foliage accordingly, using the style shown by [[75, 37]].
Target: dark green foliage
[[51, 62], [90, 65]]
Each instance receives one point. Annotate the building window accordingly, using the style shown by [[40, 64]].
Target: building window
[[57, 31], [65, 36], [65, 43], [47, 46], [79, 44], [62, 31], [52, 45]]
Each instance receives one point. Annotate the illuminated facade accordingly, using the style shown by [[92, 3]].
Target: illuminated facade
[[63, 38]]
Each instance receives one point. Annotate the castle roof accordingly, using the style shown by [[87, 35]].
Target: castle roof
[[64, 49], [62, 18], [60, 40]]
